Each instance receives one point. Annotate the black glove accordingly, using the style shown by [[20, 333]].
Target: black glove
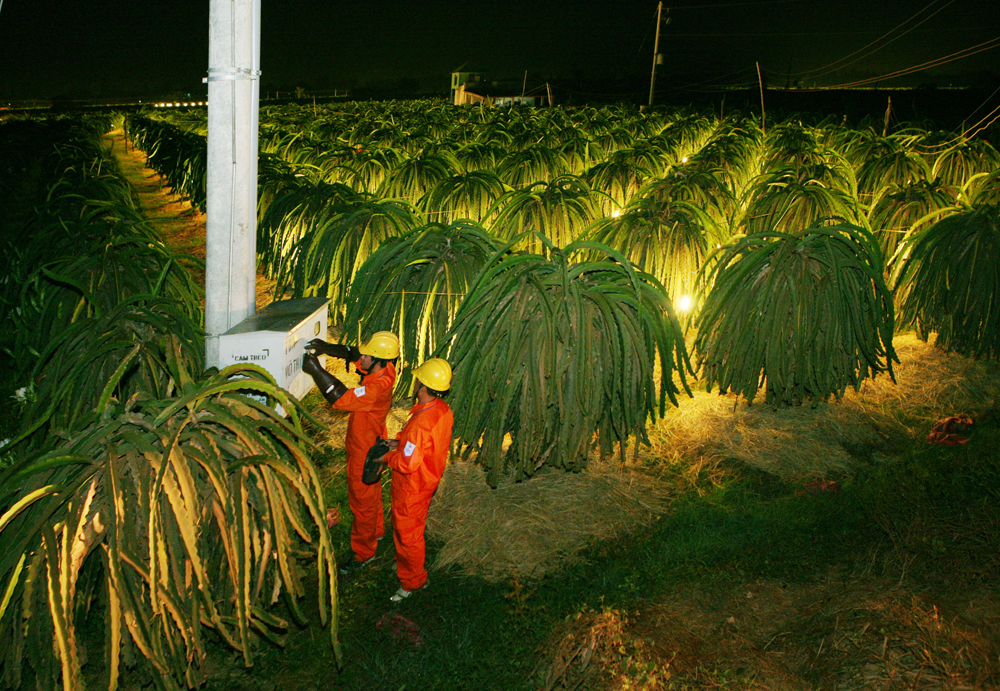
[[318, 346], [346, 352], [374, 465], [331, 387], [338, 350]]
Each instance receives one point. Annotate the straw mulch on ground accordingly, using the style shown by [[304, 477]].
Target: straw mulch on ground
[[834, 438], [529, 528]]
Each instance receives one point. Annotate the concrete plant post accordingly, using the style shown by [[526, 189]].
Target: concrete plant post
[[231, 227]]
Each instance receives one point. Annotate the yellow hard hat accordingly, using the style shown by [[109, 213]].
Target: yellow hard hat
[[382, 345], [434, 374]]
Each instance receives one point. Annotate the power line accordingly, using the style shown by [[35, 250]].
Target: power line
[[591, 93], [818, 73], [969, 134], [721, 81], [959, 55], [983, 127], [641, 45], [778, 33], [983, 104], [733, 4], [935, 32]]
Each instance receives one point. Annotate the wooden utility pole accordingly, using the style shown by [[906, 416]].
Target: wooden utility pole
[[763, 116], [524, 86], [657, 58], [549, 90]]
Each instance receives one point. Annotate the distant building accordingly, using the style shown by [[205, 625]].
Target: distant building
[[517, 100], [461, 80], [493, 95], [469, 88]]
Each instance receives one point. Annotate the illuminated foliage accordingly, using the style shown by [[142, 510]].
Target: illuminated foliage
[[803, 315], [949, 282], [412, 285], [555, 350], [170, 500], [560, 209]]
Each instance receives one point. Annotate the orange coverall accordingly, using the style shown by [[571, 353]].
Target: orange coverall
[[417, 465], [369, 405]]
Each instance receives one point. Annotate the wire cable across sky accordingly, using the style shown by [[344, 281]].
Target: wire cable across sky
[[835, 65]]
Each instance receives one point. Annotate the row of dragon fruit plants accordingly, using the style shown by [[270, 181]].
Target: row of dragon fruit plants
[[666, 187], [495, 238]]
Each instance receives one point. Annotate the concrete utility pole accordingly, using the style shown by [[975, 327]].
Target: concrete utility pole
[[657, 58], [231, 227]]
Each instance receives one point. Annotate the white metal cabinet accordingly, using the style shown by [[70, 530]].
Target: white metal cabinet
[[275, 338]]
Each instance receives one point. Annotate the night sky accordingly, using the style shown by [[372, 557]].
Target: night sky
[[58, 48]]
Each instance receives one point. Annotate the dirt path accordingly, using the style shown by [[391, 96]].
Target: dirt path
[[181, 226]]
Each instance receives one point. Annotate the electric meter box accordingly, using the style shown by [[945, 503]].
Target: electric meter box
[[275, 338]]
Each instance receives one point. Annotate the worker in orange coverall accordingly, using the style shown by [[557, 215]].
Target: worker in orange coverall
[[417, 458], [369, 405]]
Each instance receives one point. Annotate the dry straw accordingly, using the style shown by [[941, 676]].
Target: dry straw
[[529, 528], [834, 438]]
